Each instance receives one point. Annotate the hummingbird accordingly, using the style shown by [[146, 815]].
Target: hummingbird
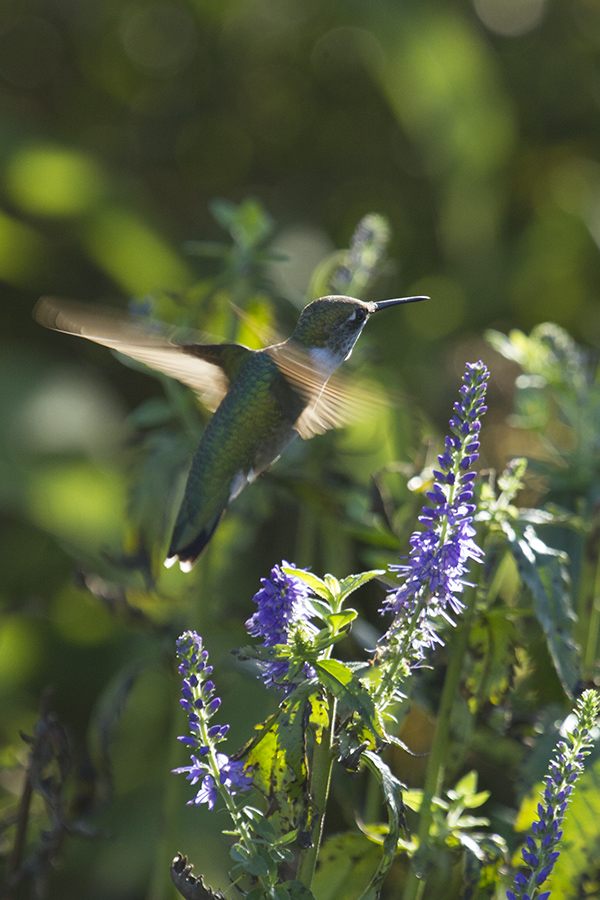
[[261, 400]]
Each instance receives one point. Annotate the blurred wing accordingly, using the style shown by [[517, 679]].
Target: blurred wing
[[329, 402], [156, 346]]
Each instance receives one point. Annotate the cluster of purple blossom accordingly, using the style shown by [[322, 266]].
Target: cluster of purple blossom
[[200, 703], [434, 576], [282, 603]]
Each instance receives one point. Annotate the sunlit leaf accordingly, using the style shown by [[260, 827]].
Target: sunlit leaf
[[353, 582], [544, 572], [350, 693], [391, 790], [347, 864]]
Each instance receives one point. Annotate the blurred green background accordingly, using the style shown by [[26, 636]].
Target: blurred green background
[[473, 126]]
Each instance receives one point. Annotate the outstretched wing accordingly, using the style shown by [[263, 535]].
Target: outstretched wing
[[206, 368], [330, 402]]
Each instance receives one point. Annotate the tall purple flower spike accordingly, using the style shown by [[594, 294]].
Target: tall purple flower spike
[[440, 554]]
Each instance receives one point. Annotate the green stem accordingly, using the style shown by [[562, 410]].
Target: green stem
[[322, 763], [593, 629], [385, 692], [415, 884]]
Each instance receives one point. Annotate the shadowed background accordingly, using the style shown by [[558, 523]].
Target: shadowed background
[[472, 127]]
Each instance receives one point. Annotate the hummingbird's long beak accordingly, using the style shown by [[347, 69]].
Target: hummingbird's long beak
[[383, 303]]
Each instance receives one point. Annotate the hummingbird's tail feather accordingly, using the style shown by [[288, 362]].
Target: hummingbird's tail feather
[[188, 553]]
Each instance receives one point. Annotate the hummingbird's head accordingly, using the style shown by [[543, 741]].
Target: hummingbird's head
[[328, 328]]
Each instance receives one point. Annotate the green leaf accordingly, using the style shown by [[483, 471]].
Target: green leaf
[[317, 585], [466, 792], [392, 796], [340, 621], [247, 222], [543, 570], [333, 585], [352, 696], [353, 582], [277, 754], [347, 863], [106, 716], [319, 607], [491, 641], [162, 457], [293, 890]]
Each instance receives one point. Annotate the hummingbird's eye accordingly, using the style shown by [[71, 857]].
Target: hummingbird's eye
[[359, 315]]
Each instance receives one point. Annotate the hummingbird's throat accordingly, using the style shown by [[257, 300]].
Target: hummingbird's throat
[[326, 359]]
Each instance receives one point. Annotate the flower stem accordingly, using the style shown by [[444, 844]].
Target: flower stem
[[322, 763], [593, 629], [415, 884]]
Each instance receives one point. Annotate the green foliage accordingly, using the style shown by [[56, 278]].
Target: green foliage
[[543, 571], [347, 864], [473, 129], [280, 765]]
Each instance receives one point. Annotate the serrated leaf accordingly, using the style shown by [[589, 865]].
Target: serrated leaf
[[491, 640], [332, 584], [341, 620], [391, 789], [352, 696], [280, 767], [319, 607], [353, 582], [317, 585], [543, 570]]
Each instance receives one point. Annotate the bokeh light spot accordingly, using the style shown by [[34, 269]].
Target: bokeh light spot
[[301, 248], [510, 17], [138, 258], [53, 181], [19, 650], [79, 618], [69, 412], [77, 502]]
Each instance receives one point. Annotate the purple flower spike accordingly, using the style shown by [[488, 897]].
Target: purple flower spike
[[434, 576], [211, 768], [541, 852]]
